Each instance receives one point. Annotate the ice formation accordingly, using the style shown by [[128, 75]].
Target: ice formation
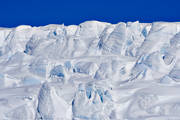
[[91, 71]]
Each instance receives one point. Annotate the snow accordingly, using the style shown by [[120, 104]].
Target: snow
[[91, 71]]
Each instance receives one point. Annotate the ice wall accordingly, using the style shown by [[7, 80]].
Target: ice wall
[[91, 71]]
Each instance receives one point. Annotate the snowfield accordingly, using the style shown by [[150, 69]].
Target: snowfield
[[91, 71]]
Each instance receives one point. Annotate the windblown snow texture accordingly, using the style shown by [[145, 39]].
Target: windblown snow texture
[[93, 71]]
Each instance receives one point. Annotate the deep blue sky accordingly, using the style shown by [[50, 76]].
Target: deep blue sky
[[43, 12]]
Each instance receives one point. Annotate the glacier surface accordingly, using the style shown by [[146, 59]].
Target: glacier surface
[[91, 71]]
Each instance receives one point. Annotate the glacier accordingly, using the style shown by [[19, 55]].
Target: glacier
[[91, 71]]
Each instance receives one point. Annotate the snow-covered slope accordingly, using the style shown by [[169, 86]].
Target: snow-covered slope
[[93, 71]]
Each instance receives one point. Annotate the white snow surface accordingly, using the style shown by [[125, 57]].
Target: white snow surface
[[91, 71]]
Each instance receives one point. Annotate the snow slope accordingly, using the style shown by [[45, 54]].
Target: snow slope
[[93, 71]]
